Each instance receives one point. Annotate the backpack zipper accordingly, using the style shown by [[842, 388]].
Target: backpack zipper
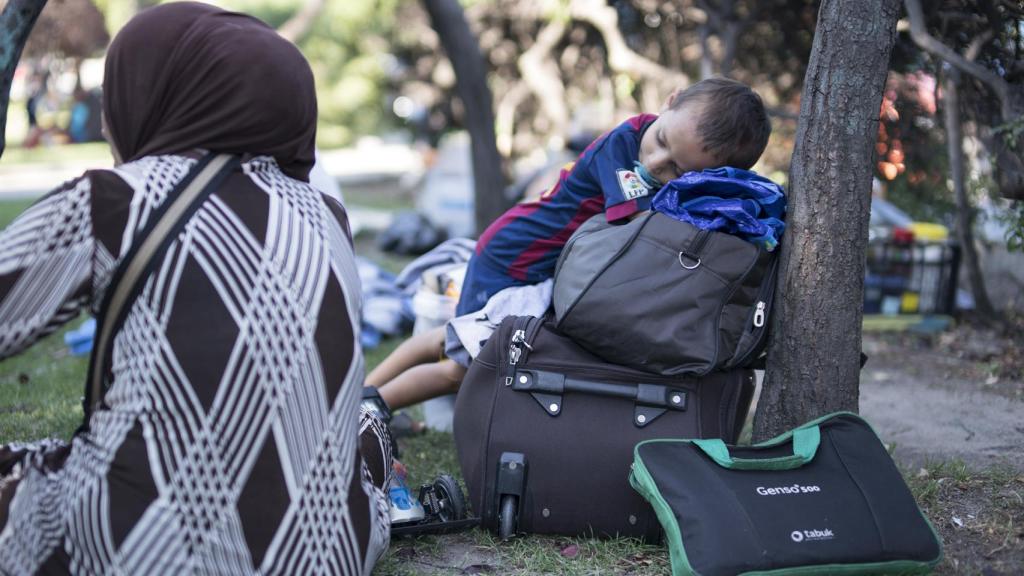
[[760, 318], [759, 314]]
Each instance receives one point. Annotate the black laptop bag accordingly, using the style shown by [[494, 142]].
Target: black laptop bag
[[546, 425], [824, 498], [701, 297]]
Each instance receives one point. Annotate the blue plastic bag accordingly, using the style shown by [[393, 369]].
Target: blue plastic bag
[[730, 200], [79, 340]]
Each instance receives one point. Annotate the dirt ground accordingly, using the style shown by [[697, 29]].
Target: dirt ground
[[954, 395], [952, 407]]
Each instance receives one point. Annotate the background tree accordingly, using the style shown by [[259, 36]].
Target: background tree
[[68, 29], [814, 348], [558, 69], [471, 82], [995, 71], [976, 46], [16, 21], [964, 210]]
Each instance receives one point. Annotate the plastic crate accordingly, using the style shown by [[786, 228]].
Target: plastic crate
[[910, 277]]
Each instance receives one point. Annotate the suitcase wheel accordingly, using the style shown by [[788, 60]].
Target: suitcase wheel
[[451, 500], [507, 516]]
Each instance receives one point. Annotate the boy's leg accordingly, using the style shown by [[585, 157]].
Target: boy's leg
[[420, 349], [423, 382]]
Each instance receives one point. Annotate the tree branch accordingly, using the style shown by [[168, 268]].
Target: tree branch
[[299, 25], [541, 75], [974, 48], [505, 118], [621, 58], [929, 44]]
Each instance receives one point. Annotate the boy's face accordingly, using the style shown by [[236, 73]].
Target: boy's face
[[672, 144]]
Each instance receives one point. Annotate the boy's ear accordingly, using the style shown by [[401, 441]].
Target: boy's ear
[[671, 97]]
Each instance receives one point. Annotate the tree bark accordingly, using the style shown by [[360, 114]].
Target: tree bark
[[964, 210], [463, 51], [16, 22], [814, 347]]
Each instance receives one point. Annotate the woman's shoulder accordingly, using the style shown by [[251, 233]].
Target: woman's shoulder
[[148, 172]]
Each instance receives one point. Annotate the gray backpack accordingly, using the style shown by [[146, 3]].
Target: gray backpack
[[664, 296]]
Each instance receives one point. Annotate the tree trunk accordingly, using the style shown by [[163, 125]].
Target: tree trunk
[[814, 347], [463, 51], [964, 210], [16, 22]]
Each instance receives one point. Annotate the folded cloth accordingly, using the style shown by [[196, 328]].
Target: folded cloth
[[466, 334], [730, 200], [387, 311], [451, 251]]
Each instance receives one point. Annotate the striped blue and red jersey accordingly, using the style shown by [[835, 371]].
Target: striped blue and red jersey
[[522, 246]]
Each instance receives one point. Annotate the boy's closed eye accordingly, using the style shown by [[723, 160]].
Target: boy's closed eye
[[672, 168]]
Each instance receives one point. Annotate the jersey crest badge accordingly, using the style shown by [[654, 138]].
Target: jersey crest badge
[[632, 185]]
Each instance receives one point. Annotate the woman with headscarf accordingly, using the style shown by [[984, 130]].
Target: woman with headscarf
[[229, 438]]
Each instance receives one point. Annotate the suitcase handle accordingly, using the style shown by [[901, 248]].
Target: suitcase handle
[[547, 388], [805, 445]]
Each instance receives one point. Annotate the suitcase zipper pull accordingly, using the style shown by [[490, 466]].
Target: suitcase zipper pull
[[519, 337], [514, 351], [759, 315]]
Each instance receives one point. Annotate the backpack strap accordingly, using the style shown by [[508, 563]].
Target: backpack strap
[[150, 244]]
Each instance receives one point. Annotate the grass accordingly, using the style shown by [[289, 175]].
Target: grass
[[979, 514], [10, 209], [41, 391], [94, 152]]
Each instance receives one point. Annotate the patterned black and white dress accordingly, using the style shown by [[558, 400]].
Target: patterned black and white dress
[[229, 442]]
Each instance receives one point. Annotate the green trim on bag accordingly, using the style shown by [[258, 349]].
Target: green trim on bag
[[805, 446], [642, 481], [891, 568]]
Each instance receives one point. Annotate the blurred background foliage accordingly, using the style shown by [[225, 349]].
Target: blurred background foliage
[[563, 69]]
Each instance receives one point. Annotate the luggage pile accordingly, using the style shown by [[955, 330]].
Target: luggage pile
[[655, 328], [545, 431], [618, 414]]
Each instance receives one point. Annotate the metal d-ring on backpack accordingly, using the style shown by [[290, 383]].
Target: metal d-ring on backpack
[[663, 296], [150, 243]]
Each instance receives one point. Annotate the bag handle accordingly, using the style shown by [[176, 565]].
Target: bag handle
[[547, 388], [805, 445], [125, 285]]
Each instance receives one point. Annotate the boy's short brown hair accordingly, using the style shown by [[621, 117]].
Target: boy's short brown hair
[[734, 124]]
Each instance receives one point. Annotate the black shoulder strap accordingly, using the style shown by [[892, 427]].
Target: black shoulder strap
[[150, 244]]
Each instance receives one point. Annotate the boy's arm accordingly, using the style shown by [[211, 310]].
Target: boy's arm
[[611, 169]]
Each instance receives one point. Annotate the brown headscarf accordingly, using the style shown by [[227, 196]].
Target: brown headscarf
[[188, 75]]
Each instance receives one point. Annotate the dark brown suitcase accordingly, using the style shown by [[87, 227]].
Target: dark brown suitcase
[[545, 431]]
